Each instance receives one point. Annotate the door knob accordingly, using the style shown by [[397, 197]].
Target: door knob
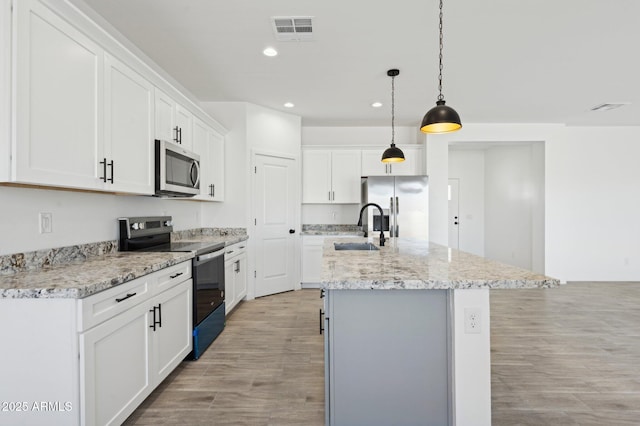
[[292, 231], [455, 223]]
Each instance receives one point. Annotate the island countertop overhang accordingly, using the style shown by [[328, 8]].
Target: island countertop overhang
[[419, 265]]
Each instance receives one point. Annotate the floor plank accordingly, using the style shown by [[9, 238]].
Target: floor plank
[[564, 356]]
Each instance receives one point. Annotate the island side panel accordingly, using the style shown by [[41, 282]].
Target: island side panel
[[388, 357], [471, 359], [39, 359]]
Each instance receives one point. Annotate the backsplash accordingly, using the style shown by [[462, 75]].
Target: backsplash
[[331, 228], [29, 261], [33, 260]]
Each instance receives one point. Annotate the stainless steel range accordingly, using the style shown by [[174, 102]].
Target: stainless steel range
[[154, 234]]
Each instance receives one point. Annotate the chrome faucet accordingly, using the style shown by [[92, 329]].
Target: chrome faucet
[[381, 220]]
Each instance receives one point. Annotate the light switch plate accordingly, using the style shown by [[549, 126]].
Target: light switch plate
[[46, 223]]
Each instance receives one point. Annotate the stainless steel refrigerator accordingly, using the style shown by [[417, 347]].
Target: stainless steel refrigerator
[[405, 204]]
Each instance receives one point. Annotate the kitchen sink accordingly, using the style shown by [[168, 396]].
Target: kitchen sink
[[355, 246]]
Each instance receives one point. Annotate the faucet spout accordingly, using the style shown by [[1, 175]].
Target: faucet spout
[[382, 239]]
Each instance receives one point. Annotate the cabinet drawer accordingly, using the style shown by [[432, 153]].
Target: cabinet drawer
[[171, 276], [235, 250], [104, 305]]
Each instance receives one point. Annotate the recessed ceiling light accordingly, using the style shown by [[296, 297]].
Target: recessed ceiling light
[[376, 104], [609, 106], [289, 105], [270, 51]]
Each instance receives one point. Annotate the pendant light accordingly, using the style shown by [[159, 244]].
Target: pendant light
[[440, 118], [393, 154]]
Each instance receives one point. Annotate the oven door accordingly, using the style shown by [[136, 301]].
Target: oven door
[[208, 284], [177, 170]]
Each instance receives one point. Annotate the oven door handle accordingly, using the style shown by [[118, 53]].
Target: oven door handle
[[209, 256]]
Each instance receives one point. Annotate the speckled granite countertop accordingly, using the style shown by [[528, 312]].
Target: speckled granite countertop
[[332, 230], [82, 277], [412, 264]]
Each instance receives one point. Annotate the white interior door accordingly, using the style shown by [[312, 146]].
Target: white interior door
[[275, 234], [454, 213]]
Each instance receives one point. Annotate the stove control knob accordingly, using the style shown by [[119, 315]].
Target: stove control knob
[[135, 226], [168, 223], [141, 224]]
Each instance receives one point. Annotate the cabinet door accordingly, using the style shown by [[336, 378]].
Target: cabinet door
[[229, 284], [165, 122], [59, 104], [128, 129], [412, 164], [114, 367], [216, 159], [203, 148], [172, 338], [345, 176], [184, 121], [316, 176], [311, 258], [371, 164], [241, 277]]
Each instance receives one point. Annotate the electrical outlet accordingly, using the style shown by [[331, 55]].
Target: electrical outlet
[[472, 320], [46, 223]]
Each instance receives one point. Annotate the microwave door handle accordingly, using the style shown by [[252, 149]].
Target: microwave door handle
[[195, 165]]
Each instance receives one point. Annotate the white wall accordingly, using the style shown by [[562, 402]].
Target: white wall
[[593, 204], [590, 180], [468, 166], [510, 199], [78, 217]]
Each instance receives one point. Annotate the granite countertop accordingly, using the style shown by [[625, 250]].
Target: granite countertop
[[332, 230], [83, 277], [413, 264]]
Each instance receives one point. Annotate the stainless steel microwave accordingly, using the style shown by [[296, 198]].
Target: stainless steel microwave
[[177, 170]]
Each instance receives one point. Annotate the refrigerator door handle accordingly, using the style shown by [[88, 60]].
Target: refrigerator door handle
[[391, 205], [397, 205]]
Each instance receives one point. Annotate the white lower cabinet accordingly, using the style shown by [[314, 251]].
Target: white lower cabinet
[[94, 359], [235, 274], [311, 260]]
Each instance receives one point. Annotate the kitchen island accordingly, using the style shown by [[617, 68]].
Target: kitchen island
[[407, 333]]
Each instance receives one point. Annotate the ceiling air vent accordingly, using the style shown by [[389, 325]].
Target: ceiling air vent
[[608, 106], [293, 28]]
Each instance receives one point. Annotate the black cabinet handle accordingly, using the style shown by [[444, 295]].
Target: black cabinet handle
[[321, 329], [213, 190], [126, 297], [111, 165], [176, 275], [237, 263], [175, 139], [180, 135], [153, 324], [292, 231], [104, 169], [322, 292], [156, 321]]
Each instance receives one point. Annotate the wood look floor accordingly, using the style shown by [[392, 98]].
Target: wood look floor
[[565, 356]]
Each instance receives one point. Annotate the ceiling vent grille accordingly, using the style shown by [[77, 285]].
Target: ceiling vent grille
[[293, 28], [608, 106]]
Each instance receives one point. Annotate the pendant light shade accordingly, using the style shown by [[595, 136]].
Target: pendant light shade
[[393, 154], [440, 118]]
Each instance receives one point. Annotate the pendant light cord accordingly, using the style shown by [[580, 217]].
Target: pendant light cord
[[393, 107], [440, 97]]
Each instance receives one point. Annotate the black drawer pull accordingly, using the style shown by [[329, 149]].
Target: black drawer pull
[[126, 297], [321, 314], [176, 275]]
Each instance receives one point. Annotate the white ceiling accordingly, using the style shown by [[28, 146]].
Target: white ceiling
[[505, 61]]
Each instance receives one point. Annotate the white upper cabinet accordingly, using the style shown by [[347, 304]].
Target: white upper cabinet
[[331, 176], [372, 166], [128, 153], [58, 103], [210, 146], [173, 122]]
